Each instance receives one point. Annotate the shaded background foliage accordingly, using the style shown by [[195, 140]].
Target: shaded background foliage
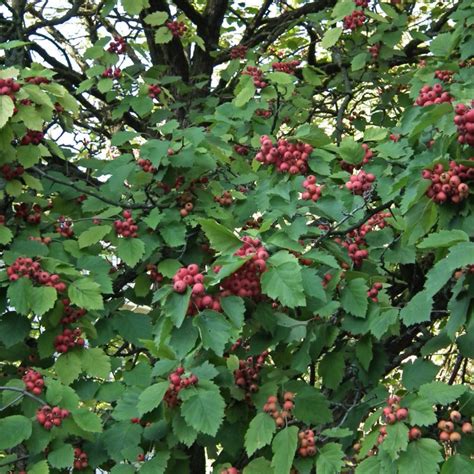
[[131, 145]]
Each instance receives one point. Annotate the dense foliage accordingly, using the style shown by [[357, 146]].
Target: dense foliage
[[236, 236]]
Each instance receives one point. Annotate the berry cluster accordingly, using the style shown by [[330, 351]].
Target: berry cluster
[[464, 120], [112, 73], [64, 227], [230, 470], [154, 91], [362, 3], [355, 20], [246, 376], [9, 87], [393, 412], [146, 165], [448, 185], [186, 209], [49, 417], [354, 240], [288, 66], [257, 75], [394, 137], [30, 214], [414, 433], [374, 51], [81, 461], [432, 95], [178, 383], [128, 227], [225, 199], [241, 150], [202, 302], [68, 339], [360, 183], [245, 282], [444, 75], [34, 382], [11, 172], [71, 314], [368, 155], [306, 443], [37, 80], [448, 428], [287, 157], [189, 276], [238, 52], [155, 275], [459, 273], [264, 113], [374, 291], [32, 137], [280, 413], [118, 45], [312, 192], [326, 279], [25, 267], [177, 28], [41, 240]]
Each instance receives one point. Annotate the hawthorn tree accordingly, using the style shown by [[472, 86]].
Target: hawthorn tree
[[236, 236]]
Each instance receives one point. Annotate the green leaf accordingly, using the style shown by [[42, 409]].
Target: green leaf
[[330, 37], [214, 330], [396, 440], [375, 134], [13, 329], [284, 448], [260, 432], [342, 8], [418, 373], [87, 420], [354, 297], [311, 407], [176, 306], [130, 250], [156, 18], [283, 281], [95, 363], [120, 438], [258, 466], [330, 459], [331, 369], [62, 457], [222, 239], [93, 235], [151, 397], [421, 412], [359, 61], [134, 7], [68, 367], [183, 432], [6, 235], [85, 293], [203, 409], [39, 468], [163, 35], [42, 298], [18, 293], [418, 309], [14, 429], [364, 352], [156, 465], [7, 108], [441, 393], [443, 238], [457, 464], [422, 456], [132, 326], [246, 92], [234, 308]]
